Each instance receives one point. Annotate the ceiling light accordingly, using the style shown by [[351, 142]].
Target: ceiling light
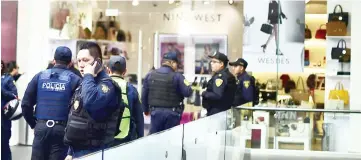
[[230, 2], [206, 2], [306, 1], [135, 2], [171, 1]]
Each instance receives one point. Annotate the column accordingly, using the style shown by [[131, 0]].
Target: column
[[355, 86]]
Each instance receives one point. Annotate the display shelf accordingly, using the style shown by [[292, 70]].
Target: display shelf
[[339, 76], [321, 43], [338, 37], [314, 70]]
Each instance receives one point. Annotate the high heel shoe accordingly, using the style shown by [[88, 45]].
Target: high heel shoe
[[264, 47]]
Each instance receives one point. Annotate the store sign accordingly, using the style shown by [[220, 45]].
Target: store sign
[[274, 43], [201, 17]]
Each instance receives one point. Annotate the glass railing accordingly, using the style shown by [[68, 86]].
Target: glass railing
[[248, 133]]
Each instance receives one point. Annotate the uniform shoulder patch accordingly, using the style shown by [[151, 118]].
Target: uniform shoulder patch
[[186, 82], [105, 88], [219, 82], [246, 84]]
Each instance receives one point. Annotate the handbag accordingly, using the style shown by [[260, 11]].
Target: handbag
[[336, 28], [321, 33], [100, 29], [59, 18], [319, 93], [338, 51], [300, 94], [267, 28], [339, 16], [335, 104], [339, 93], [112, 30], [308, 33]]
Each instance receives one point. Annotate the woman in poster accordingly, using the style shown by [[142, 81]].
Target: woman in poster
[[274, 18]]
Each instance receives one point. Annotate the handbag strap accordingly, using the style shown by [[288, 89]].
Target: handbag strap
[[334, 10], [343, 44], [339, 86], [322, 25], [300, 79]]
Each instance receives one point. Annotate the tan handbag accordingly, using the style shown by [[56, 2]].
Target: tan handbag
[[300, 94], [319, 93], [336, 28]]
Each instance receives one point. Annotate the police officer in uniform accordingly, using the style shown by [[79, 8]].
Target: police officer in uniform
[[8, 93], [221, 88], [96, 107], [132, 124], [245, 82], [163, 92], [51, 90]]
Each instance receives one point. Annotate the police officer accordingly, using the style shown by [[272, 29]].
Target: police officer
[[163, 92], [245, 83], [220, 91], [132, 124], [96, 107], [8, 93], [51, 90]]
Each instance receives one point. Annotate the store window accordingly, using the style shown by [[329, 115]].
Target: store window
[[298, 51]]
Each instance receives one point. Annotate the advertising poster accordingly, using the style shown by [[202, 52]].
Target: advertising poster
[[274, 23], [178, 48], [202, 61]]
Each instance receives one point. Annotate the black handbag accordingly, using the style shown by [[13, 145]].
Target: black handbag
[[337, 52], [268, 95], [267, 28], [339, 16]]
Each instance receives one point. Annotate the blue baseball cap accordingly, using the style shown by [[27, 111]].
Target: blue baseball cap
[[171, 56], [63, 53], [120, 59]]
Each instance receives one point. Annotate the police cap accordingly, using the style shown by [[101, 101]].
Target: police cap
[[220, 56], [63, 54], [171, 56], [120, 59], [239, 62]]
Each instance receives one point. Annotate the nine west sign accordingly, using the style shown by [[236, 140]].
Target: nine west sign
[[201, 17]]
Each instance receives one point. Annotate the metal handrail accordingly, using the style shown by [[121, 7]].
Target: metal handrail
[[298, 109]]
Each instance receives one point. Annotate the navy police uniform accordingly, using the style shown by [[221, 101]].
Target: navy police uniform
[[8, 93], [51, 90], [221, 88], [94, 115], [163, 94], [245, 85]]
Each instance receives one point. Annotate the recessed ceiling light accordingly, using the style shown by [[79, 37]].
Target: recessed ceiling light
[[135, 2], [230, 2]]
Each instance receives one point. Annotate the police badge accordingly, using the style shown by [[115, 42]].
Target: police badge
[[76, 105], [246, 84]]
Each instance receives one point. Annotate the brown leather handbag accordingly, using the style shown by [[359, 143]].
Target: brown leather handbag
[[336, 28], [59, 18], [100, 29], [308, 33], [112, 30]]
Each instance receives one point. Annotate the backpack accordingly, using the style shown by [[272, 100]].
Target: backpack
[[255, 92], [120, 101]]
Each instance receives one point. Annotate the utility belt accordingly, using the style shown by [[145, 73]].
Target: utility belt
[[52, 123], [178, 109]]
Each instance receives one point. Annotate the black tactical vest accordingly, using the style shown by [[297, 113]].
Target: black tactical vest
[[162, 92], [83, 132]]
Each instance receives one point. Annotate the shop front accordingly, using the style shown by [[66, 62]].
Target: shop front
[[301, 61]]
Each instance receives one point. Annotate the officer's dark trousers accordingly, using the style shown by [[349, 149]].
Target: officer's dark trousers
[[48, 142], [163, 119], [5, 147]]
